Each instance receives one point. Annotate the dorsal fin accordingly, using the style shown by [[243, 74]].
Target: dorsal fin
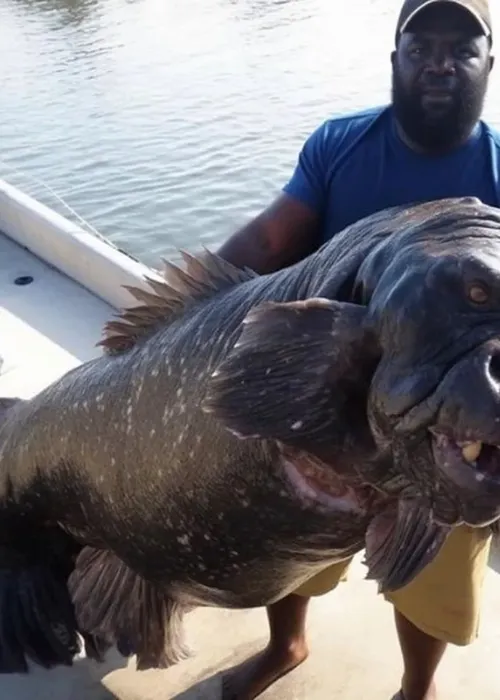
[[204, 275]]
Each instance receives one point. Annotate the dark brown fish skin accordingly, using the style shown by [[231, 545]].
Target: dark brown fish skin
[[124, 478]]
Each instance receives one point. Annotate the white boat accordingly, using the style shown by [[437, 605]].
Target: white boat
[[58, 285]]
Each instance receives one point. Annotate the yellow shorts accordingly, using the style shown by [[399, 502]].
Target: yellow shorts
[[444, 599]]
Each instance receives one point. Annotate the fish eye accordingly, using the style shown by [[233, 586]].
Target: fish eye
[[478, 292]]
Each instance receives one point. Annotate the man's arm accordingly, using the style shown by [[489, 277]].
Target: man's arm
[[287, 230], [283, 233]]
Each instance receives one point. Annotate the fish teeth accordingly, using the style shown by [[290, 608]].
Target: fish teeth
[[471, 450]]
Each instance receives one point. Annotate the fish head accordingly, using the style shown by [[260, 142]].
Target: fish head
[[433, 296]]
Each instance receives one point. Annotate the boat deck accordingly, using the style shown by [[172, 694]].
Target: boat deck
[[52, 324]]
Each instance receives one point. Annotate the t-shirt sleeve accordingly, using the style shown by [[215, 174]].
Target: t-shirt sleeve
[[308, 182]]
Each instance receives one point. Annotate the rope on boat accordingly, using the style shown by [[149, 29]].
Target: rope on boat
[[37, 181]]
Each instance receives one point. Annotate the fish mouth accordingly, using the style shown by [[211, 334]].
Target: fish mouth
[[318, 486], [471, 464]]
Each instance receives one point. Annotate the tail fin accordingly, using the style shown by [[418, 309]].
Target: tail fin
[[53, 592], [119, 606], [37, 620]]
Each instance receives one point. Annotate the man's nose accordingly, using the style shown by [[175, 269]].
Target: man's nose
[[440, 63]]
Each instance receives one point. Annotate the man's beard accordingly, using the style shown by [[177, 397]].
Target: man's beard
[[443, 130]]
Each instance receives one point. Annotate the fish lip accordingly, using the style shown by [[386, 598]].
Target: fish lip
[[467, 476]]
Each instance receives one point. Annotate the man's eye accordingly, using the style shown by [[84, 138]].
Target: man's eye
[[465, 52]]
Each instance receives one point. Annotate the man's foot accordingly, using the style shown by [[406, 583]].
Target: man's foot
[[249, 679]]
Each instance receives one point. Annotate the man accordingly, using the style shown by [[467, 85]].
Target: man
[[429, 143]]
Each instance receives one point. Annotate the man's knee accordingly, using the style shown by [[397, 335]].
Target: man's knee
[[324, 582], [444, 600]]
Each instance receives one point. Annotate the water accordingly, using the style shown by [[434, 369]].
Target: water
[[169, 123]]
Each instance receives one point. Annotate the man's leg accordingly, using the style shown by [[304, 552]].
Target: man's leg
[[421, 656], [441, 606], [287, 647]]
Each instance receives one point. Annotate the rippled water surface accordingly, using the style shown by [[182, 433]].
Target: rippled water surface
[[169, 122]]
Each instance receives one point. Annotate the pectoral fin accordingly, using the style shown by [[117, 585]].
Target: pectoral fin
[[400, 543], [299, 373]]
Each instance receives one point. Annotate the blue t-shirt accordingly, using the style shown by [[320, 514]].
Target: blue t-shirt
[[355, 165]]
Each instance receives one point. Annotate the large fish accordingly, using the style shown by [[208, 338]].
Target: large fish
[[241, 432]]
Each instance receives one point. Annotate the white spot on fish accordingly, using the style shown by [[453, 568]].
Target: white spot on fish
[[268, 371], [479, 476], [207, 537], [129, 408], [184, 540], [113, 461], [191, 454], [154, 372], [179, 392], [297, 425], [182, 408], [160, 472], [99, 397], [152, 432]]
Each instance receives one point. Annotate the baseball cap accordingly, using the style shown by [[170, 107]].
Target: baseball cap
[[479, 9]]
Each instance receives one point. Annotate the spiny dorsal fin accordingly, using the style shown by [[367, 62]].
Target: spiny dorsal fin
[[203, 276]]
